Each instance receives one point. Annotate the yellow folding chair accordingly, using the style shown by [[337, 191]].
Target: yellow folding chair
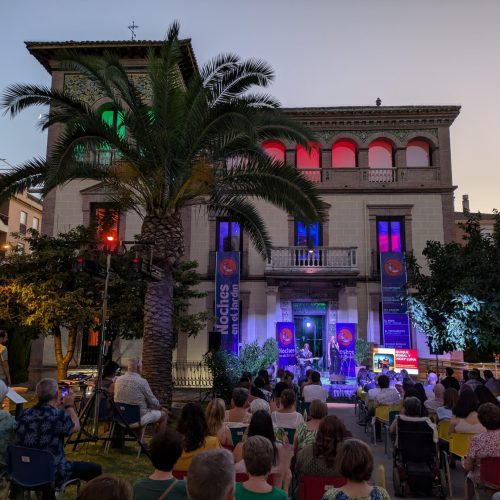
[[459, 443], [443, 428]]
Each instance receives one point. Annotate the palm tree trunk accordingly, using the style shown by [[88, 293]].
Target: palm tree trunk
[[158, 342]]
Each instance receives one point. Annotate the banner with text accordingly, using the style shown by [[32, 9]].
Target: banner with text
[[395, 359], [285, 336], [396, 326], [346, 338], [227, 300]]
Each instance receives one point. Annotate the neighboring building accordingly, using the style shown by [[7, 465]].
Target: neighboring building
[[385, 173], [17, 215], [487, 222]]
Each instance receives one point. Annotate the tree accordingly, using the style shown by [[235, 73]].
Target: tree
[[185, 144], [457, 305], [44, 293]]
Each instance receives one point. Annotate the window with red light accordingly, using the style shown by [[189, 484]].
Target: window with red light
[[344, 154], [105, 218], [275, 150], [380, 154], [309, 159], [390, 234], [418, 154]]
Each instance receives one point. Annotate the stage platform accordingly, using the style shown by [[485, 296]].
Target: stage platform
[[339, 390]]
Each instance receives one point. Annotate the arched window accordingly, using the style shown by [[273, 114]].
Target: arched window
[[418, 154], [380, 154], [275, 150], [344, 154], [308, 160], [114, 119]]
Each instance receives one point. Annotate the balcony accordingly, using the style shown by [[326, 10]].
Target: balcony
[[365, 177], [320, 260]]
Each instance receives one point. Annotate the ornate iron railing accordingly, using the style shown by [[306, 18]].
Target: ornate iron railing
[[191, 375], [317, 259]]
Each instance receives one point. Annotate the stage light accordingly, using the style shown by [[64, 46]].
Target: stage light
[[308, 324]]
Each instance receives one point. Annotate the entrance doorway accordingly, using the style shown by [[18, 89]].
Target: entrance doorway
[[310, 329]]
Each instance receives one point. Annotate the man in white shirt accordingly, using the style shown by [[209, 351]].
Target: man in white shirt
[[314, 390]]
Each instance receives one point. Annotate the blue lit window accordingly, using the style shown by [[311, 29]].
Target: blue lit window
[[390, 235], [228, 236], [308, 235]]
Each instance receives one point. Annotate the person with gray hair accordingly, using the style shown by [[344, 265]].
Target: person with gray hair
[[132, 389], [211, 475], [7, 428], [239, 406], [47, 424]]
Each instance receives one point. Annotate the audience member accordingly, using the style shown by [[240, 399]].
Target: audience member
[[437, 401], [246, 383], [259, 383], [110, 372], [306, 431], [165, 450], [450, 399], [215, 413], [450, 380], [258, 405], [44, 427], [306, 379], [267, 381], [239, 406], [484, 395], [386, 395], [314, 390], [422, 395], [355, 463], [262, 425], [106, 487], [474, 379], [412, 413], [211, 475], [465, 415], [465, 376], [132, 389], [258, 456], [276, 399], [492, 383], [318, 459], [7, 428], [412, 392], [195, 436], [484, 444], [287, 416], [432, 379]]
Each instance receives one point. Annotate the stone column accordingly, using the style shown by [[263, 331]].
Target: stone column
[[400, 158], [271, 295], [363, 158]]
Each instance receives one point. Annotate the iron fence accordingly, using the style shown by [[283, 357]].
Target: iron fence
[[191, 375]]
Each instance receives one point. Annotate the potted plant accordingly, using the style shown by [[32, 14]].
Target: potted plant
[[361, 353]]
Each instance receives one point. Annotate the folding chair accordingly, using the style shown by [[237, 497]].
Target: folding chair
[[443, 428], [489, 477], [34, 470], [131, 415], [386, 426], [237, 434], [459, 443], [314, 487]]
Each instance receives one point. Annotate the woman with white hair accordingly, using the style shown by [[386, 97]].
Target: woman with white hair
[[7, 428]]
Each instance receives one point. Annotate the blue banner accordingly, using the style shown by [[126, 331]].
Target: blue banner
[[346, 339], [396, 326], [227, 300], [285, 336]]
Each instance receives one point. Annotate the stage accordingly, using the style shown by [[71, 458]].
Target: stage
[[339, 389]]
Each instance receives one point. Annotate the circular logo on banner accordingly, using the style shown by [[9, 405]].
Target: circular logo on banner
[[344, 336], [228, 267], [393, 267], [286, 336]]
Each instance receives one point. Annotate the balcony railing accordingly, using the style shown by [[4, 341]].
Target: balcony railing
[[316, 260], [358, 177]]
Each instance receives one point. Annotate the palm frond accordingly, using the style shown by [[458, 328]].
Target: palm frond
[[22, 177]]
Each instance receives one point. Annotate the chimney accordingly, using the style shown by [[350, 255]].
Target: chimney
[[465, 203]]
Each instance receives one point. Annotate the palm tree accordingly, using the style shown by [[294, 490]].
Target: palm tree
[[186, 144]]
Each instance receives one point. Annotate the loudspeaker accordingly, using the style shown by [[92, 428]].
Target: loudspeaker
[[214, 340]]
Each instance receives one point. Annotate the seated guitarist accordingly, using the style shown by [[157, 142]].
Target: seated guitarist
[[304, 358]]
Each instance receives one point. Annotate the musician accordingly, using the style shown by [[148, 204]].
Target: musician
[[333, 355], [304, 359]]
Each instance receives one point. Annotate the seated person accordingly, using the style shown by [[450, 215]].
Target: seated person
[[412, 413], [464, 417], [318, 459], [386, 396], [211, 475], [314, 390], [450, 399], [44, 427], [132, 389], [485, 444], [214, 414], [437, 401], [106, 487], [432, 380], [287, 416], [275, 403], [165, 450], [492, 383], [450, 380], [109, 374], [7, 428], [306, 432], [260, 384], [258, 455], [355, 463], [239, 406], [193, 427]]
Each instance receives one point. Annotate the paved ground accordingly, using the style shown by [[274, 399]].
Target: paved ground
[[346, 413]]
